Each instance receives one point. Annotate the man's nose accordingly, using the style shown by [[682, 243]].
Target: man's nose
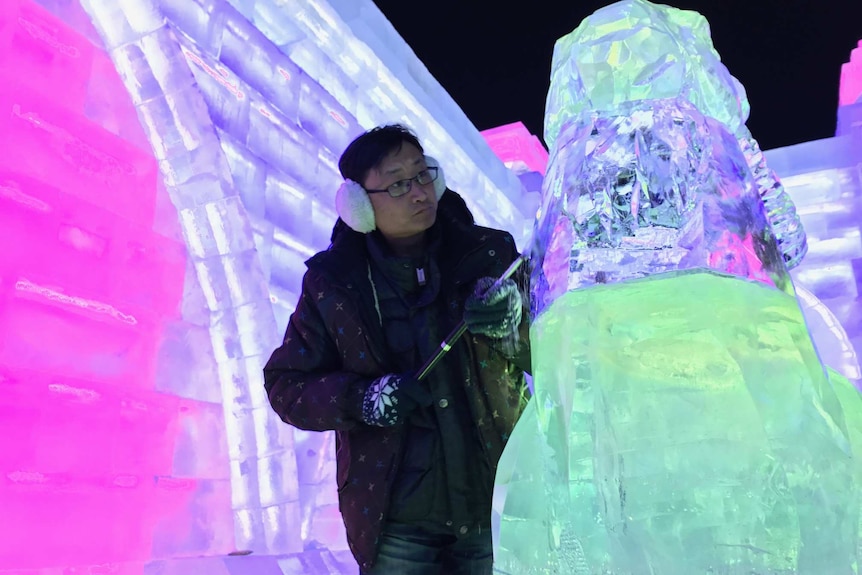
[[419, 192]]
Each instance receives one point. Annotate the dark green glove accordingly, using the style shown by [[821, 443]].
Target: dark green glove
[[494, 311]]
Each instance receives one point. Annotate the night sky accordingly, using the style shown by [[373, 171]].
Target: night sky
[[495, 62]]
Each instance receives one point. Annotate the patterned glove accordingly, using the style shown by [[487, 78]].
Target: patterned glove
[[391, 398], [494, 312]]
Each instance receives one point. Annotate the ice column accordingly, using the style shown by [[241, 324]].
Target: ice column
[[156, 71]]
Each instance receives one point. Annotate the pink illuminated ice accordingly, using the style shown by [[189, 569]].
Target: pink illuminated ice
[[517, 147], [851, 78], [88, 470]]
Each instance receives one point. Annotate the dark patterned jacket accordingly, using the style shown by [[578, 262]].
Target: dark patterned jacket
[[334, 346]]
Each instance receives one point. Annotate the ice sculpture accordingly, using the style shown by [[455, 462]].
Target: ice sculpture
[[682, 421]]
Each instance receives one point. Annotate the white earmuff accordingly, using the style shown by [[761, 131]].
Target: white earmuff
[[355, 209], [440, 182]]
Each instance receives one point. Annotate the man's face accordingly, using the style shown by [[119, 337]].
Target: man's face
[[414, 212]]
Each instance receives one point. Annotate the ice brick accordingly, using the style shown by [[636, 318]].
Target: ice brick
[[103, 107], [73, 15], [249, 175], [177, 123], [200, 449], [217, 227], [228, 97], [240, 428], [69, 152], [277, 477], [850, 90], [281, 528], [268, 71], [120, 23], [244, 331], [152, 66], [245, 489], [186, 365], [197, 520], [248, 524], [269, 437], [197, 20], [42, 43]]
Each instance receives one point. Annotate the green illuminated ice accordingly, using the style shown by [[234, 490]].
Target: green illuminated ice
[[683, 425]]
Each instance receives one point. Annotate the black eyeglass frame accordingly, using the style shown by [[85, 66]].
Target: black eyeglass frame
[[433, 171]]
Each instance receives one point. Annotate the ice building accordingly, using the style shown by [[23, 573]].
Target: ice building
[[167, 166], [824, 178]]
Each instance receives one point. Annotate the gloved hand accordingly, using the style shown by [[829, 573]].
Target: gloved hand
[[390, 399], [494, 312]]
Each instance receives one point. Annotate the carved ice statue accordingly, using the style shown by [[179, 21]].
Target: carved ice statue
[[682, 421]]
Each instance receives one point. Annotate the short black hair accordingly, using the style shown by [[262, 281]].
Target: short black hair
[[368, 150]]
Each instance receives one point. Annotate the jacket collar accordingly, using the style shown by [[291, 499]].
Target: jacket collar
[[346, 260]]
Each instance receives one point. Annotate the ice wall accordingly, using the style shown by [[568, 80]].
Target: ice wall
[[357, 57], [525, 156], [114, 448], [824, 178], [402, 87]]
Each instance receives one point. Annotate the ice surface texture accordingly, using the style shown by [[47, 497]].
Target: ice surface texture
[[630, 58]]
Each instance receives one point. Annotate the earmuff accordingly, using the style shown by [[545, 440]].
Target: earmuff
[[354, 207]]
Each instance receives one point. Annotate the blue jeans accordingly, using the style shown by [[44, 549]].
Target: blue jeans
[[407, 550]]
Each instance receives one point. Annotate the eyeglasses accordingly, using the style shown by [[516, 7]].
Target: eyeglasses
[[402, 187]]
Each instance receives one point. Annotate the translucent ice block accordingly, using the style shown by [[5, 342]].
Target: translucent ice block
[[671, 442]]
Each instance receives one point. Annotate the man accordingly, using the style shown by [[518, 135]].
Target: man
[[416, 459]]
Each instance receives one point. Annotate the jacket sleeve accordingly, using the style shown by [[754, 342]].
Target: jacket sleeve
[[522, 359], [304, 377]]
